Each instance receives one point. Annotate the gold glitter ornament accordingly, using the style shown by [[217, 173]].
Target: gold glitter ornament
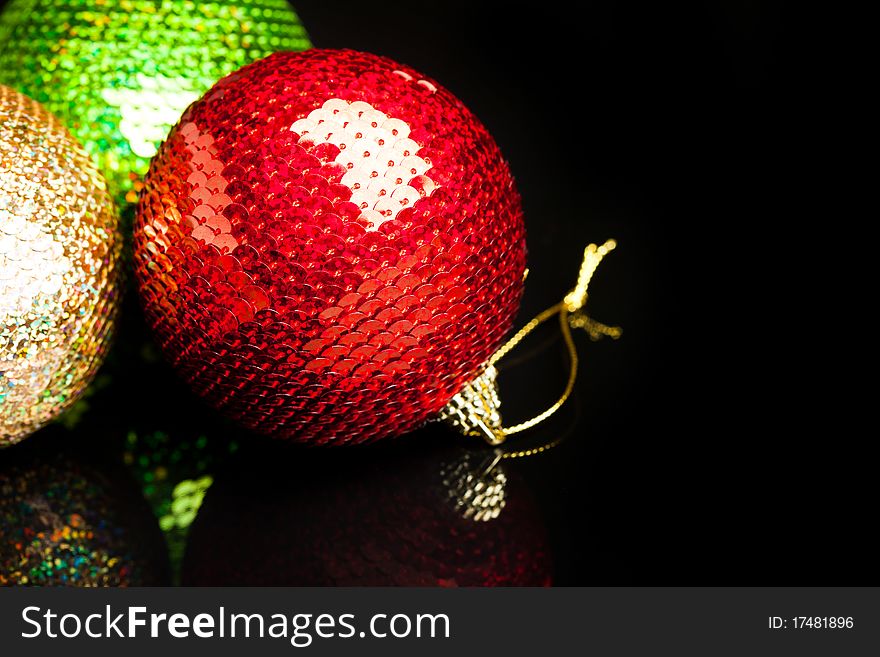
[[59, 263]]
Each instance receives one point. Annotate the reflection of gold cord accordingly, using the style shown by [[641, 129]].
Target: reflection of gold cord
[[474, 411], [534, 451]]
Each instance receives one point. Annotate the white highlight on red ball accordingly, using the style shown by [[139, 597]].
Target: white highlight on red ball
[[385, 174]]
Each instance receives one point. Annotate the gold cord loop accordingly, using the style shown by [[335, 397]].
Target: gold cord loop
[[475, 410]]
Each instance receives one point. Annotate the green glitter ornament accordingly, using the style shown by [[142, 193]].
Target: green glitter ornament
[[119, 73]]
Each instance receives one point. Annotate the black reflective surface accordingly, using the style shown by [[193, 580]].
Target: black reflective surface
[[632, 121], [419, 515]]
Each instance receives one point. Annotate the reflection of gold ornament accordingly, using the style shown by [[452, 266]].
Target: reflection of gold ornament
[[59, 252], [70, 519], [476, 489]]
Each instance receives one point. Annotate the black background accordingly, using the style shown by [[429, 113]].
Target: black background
[[655, 125]]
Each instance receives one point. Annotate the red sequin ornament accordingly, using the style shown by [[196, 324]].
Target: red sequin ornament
[[329, 247]]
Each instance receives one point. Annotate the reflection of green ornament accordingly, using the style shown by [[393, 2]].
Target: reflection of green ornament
[[120, 73], [175, 474]]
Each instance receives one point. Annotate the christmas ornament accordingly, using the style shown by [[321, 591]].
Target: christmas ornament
[[329, 246], [119, 73], [68, 519], [59, 253], [438, 517]]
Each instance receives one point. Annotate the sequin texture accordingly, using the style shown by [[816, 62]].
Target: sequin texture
[[66, 521], [59, 253], [119, 73], [329, 246]]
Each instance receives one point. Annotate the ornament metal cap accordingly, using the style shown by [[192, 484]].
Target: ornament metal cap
[[476, 410]]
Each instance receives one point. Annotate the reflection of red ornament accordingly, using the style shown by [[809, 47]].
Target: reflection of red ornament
[[435, 518], [329, 246]]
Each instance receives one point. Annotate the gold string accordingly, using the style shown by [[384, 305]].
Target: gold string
[[573, 302]]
